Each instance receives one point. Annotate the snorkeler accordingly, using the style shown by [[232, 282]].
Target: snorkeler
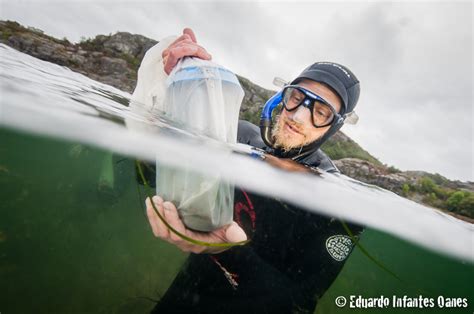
[[294, 255]]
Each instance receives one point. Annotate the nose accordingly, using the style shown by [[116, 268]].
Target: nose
[[301, 114]]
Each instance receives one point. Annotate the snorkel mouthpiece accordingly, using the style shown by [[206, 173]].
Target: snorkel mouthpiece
[[266, 118]]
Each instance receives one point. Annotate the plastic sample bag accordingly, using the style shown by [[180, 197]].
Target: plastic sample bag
[[204, 98]]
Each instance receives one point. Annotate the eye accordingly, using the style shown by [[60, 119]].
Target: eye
[[322, 113], [295, 100], [322, 110], [296, 94]]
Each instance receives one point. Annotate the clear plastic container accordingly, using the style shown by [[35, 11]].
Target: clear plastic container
[[202, 97]]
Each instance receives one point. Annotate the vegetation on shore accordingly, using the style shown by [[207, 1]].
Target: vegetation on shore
[[457, 201], [347, 149]]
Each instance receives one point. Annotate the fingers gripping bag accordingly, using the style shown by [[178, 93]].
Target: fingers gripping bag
[[202, 97]]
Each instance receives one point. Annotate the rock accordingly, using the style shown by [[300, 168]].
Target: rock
[[341, 137], [367, 172], [78, 59], [50, 49], [254, 99], [112, 65], [127, 43], [22, 43]]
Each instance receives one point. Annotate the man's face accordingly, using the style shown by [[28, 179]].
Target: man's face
[[295, 128]]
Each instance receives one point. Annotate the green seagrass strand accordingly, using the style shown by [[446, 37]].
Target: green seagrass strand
[[366, 253]]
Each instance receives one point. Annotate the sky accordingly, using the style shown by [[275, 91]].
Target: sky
[[413, 59]]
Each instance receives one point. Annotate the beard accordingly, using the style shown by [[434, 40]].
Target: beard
[[286, 140]]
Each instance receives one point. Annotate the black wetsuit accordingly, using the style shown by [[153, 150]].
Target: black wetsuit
[[292, 259]]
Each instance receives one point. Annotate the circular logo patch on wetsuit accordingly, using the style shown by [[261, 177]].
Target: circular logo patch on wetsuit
[[339, 246]]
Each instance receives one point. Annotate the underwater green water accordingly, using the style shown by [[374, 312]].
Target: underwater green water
[[74, 239]]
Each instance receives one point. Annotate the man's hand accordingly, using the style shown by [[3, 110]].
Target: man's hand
[[231, 233], [185, 46]]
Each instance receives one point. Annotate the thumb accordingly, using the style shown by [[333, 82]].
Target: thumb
[[234, 233]]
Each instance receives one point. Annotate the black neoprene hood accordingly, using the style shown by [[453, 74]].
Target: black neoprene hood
[[336, 76]]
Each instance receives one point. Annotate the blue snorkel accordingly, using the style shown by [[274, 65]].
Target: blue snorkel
[[266, 118]]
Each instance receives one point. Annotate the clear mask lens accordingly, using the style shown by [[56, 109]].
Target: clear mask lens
[[322, 114]]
